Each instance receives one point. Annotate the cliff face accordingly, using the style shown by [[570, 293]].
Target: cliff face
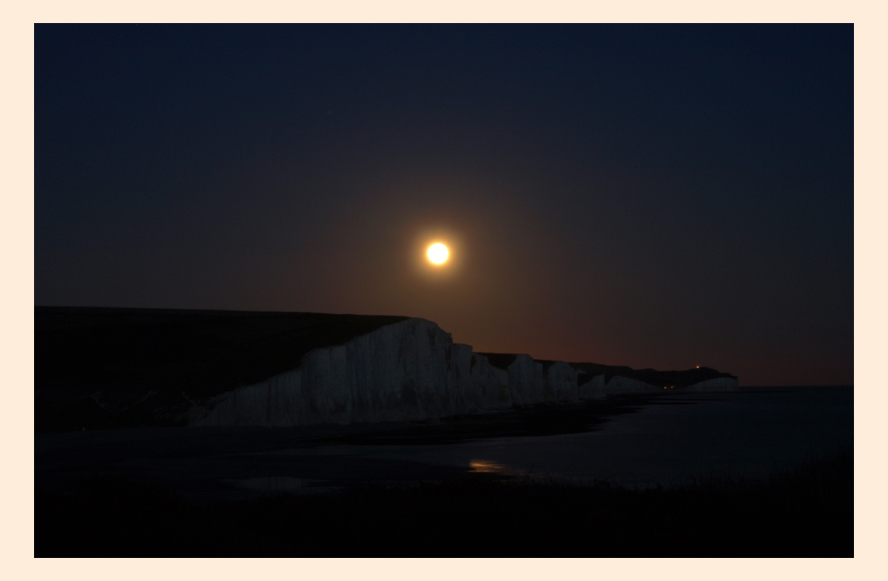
[[409, 371], [592, 388], [717, 384], [101, 368], [620, 384]]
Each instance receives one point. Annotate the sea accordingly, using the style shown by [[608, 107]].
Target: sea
[[667, 441]]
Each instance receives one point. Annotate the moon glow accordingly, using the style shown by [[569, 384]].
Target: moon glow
[[437, 253]]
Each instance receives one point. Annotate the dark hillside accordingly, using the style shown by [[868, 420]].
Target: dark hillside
[[500, 360], [678, 379], [113, 365]]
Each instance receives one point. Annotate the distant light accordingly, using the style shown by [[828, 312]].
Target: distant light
[[698, 367]]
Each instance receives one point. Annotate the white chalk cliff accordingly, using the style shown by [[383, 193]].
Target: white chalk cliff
[[620, 384], [715, 384], [410, 370]]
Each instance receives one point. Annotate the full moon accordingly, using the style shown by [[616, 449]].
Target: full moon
[[437, 253]]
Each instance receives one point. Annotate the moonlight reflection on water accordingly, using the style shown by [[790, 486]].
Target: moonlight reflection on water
[[489, 467]]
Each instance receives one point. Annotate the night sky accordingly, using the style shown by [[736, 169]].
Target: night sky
[[647, 195]]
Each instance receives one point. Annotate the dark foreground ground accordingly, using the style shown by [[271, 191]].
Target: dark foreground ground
[[807, 512]]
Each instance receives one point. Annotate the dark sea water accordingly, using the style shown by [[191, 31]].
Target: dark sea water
[[670, 441]]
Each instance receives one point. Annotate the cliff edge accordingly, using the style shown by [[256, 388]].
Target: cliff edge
[[105, 368]]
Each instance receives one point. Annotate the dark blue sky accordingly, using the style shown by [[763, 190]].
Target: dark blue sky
[[647, 195]]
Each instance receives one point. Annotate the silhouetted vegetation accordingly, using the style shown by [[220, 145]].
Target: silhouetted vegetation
[[804, 513]]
